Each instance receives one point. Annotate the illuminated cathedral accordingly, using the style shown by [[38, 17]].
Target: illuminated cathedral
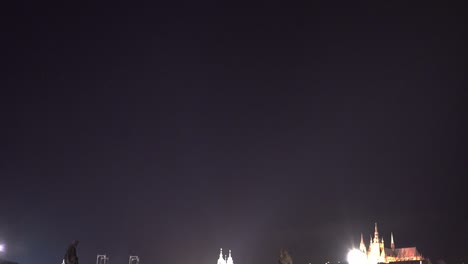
[[225, 260], [377, 253]]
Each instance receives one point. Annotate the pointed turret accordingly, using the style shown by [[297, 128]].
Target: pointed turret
[[383, 256], [229, 259], [392, 243], [362, 247], [376, 234], [221, 260]]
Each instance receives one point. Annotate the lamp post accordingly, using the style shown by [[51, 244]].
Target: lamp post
[[133, 260], [102, 259]]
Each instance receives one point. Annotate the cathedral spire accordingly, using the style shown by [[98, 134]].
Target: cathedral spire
[[376, 234], [221, 260], [229, 260], [362, 247], [392, 243]]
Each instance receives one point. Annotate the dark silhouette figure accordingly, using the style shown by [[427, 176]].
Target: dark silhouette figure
[[70, 255]]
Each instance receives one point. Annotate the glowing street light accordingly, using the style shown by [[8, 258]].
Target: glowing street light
[[355, 256], [2, 248], [133, 260]]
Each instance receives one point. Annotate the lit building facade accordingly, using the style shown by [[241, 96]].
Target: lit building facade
[[377, 253]]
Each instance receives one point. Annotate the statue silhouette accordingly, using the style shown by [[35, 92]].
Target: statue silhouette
[[70, 255]]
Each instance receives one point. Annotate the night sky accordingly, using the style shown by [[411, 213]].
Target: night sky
[[169, 130]]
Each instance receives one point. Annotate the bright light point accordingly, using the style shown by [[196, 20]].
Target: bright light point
[[355, 256], [2, 248]]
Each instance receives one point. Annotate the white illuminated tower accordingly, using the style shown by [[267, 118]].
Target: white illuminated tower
[[229, 259], [221, 260], [392, 243], [374, 251], [225, 259]]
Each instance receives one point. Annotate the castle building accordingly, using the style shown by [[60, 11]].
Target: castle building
[[378, 253], [225, 260]]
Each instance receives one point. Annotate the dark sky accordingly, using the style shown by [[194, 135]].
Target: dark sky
[[169, 130]]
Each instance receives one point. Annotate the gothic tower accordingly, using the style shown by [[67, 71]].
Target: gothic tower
[[374, 254], [376, 234], [392, 243], [221, 260], [229, 259]]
